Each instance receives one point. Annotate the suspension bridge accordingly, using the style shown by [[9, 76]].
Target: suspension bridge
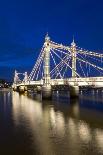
[[62, 67]]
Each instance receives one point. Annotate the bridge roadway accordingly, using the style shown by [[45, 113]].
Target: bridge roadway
[[88, 81]]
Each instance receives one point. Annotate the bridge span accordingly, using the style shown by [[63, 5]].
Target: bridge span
[[91, 81], [60, 65]]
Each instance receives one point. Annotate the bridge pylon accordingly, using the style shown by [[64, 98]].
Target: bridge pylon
[[74, 90], [47, 61], [25, 77], [46, 88], [73, 49], [16, 78]]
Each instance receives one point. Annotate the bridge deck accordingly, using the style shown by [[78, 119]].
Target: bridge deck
[[89, 81]]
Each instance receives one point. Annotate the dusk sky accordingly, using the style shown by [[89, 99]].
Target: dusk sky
[[24, 24]]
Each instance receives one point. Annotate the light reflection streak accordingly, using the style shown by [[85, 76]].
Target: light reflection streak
[[45, 121], [5, 98], [72, 127], [76, 110], [60, 124], [57, 122], [30, 112], [52, 117], [99, 139], [84, 131]]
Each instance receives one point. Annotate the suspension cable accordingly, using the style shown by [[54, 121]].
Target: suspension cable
[[66, 66], [37, 66], [90, 64], [55, 64], [91, 57], [59, 63], [66, 63], [61, 66], [60, 46], [61, 51], [90, 53], [39, 69], [82, 68], [85, 61], [38, 59]]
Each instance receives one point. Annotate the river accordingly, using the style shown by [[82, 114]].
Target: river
[[30, 126]]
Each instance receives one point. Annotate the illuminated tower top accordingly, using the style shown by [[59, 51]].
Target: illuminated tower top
[[73, 43], [47, 38]]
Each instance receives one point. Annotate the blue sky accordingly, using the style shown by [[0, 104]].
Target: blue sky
[[24, 24]]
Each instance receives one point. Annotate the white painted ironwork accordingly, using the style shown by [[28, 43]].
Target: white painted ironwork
[[71, 56]]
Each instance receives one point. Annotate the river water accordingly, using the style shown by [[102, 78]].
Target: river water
[[30, 126]]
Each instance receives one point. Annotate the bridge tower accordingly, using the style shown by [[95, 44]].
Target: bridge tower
[[25, 77], [16, 78], [46, 88], [74, 89], [47, 61], [73, 49]]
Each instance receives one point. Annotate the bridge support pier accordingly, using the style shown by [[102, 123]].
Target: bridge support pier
[[22, 89], [14, 88], [46, 92], [39, 89], [74, 91]]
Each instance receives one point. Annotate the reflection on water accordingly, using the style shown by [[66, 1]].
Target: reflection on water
[[58, 127]]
